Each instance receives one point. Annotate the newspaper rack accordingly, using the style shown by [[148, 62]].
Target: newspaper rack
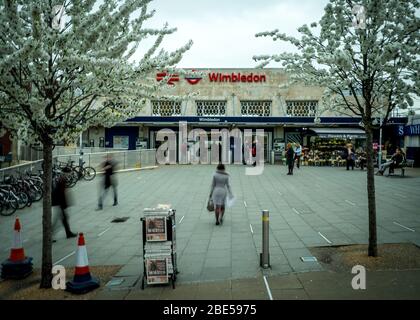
[[159, 246]]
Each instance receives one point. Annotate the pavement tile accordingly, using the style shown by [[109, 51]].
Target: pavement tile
[[199, 241], [289, 294]]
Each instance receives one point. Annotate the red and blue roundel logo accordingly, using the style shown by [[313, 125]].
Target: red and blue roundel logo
[[193, 78]]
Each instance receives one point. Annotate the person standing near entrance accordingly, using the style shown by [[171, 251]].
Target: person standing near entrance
[[220, 190], [109, 181], [350, 157], [298, 154], [290, 158]]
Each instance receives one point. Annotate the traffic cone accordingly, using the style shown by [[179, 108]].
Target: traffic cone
[[18, 266], [82, 282]]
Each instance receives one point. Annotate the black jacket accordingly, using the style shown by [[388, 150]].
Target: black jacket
[[398, 158]]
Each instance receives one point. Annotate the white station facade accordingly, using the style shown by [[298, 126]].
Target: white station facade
[[237, 98]]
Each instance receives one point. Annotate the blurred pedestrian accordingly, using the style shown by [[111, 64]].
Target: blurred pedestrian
[[59, 199], [298, 154], [290, 158], [254, 152], [109, 180], [362, 158], [220, 190], [350, 156]]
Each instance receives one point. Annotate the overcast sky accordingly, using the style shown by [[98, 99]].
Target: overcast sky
[[223, 32]]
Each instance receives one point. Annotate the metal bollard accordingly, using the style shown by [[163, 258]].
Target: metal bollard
[[265, 255]]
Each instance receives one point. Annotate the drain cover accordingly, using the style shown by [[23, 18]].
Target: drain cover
[[121, 219], [308, 259]]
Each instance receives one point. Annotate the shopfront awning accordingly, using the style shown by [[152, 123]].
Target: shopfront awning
[[340, 133]]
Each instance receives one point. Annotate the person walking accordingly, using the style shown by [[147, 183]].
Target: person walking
[[298, 154], [350, 157], [290, 158], [60, 199], [109, 181], [220, 190]]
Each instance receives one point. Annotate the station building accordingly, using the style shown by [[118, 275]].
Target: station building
[[244, 99]]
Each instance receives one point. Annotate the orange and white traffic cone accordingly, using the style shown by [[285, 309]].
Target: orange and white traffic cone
[[18, 266], [83, 281]]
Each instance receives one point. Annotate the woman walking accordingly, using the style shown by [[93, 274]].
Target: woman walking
[[290, 158], [220, 189]]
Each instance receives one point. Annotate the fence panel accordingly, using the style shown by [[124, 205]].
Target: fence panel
[[125, 160]]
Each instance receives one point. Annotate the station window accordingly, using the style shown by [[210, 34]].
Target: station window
[[301, 108], [166, 108], [211, 108], [256, 108]]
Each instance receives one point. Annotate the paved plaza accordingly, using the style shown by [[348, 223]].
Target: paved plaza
[[317, 206]]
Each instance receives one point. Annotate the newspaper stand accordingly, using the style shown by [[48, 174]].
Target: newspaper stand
[[159, 246]]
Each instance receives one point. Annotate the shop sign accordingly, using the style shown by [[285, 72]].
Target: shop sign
[[341, 136], [413, 130], [400, 131]]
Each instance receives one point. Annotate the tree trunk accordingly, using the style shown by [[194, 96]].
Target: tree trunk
[[373, 248], [46, 274]]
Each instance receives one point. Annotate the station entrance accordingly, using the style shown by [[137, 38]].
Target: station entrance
[[155, 143]]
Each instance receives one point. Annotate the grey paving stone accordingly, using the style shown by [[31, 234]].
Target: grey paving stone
[[292, 245], [197, 235]]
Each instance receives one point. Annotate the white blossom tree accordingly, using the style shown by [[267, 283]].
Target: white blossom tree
[[365, 54], [67, 65]]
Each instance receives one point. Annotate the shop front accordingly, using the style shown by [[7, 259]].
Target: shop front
[[326, 146], [412, 140]]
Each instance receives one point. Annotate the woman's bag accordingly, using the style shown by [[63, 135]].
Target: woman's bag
[[210, 205]]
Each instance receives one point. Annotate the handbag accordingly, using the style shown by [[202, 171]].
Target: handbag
[[210, 205]]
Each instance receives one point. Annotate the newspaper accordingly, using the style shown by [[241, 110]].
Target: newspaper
[[157, 270], [156, 228]]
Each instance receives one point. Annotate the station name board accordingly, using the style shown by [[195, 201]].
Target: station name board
[[193, 78], [236, 77]]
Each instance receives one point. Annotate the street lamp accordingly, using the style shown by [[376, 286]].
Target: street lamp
[[380, 141]]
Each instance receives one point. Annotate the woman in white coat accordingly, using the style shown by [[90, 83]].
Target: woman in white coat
[[220, 190]]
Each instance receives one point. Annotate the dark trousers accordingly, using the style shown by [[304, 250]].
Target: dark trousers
[[291, 168], [350, 163], [103, 193], [65, 220], [297, 159]]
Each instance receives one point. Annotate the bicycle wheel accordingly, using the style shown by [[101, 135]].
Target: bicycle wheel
[[9, 207], [23, 200], [70, 181], [37, 193], [89, 173]]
